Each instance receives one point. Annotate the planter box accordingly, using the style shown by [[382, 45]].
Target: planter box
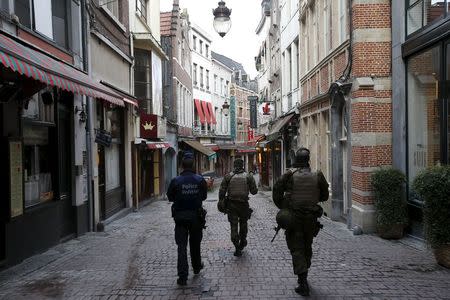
[[442, 255], [391, 232]]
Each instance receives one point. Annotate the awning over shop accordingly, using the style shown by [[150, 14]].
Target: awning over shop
[[246, 150], [200, 111], [279, 124], [157, 145], [34, 64], [152, 144], [211, 112], [227, 147], [213, 147], [200, 148], [206, 111]]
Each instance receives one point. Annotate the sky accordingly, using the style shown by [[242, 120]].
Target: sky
[[240, 43]]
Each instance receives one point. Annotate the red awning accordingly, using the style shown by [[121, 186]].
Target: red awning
[[157, 145], [206, 111], [199, 111], [211, 111], [34, 64]]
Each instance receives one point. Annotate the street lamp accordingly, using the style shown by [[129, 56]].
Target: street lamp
[[222, 22], [226, 108]]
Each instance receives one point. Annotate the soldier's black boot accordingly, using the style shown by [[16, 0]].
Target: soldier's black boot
[[242, 244], [238, 252], [197, 270], [303, 287]]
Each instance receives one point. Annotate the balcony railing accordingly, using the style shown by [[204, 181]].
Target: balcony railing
[[198, 131]]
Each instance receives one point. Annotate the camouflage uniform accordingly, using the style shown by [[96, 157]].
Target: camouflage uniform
[[238, 185], [300, 190]]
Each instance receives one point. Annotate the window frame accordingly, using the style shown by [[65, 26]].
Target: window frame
[[423, 27], [142, 5]]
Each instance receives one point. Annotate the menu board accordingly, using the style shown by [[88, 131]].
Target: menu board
[[16, 178]]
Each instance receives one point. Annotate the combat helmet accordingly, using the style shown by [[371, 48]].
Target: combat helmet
[[285, 219]]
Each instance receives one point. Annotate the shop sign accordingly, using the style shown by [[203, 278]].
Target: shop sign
[[103, 137], [152, 126], [253, 111], [15, 178]]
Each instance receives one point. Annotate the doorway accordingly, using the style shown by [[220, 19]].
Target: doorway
[[67, 211], [170, 167]]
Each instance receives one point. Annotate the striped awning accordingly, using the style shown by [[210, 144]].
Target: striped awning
[[211, 112], [206, 111], [34, 64], [200, 113]]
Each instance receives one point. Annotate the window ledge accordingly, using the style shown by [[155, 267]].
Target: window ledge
[[114, 19]]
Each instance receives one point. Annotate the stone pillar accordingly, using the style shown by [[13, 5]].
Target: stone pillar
[[371, 104]]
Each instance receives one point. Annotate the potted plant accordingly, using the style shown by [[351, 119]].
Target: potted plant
[[433, 186], [390, 202]]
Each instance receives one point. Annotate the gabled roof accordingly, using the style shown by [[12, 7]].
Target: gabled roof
[[165, 22], [233, 65]]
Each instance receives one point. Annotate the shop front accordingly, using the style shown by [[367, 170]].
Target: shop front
[[425, 113], [43, 161], [204, 157], [150, 156]]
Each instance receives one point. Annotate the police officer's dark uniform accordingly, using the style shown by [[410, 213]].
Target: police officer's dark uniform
[[233, 193], [297, 193], [187, 192]]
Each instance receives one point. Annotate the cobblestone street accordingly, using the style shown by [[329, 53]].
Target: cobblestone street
[[135, 258]]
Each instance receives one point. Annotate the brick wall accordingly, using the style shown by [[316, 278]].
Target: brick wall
[[371, 108]]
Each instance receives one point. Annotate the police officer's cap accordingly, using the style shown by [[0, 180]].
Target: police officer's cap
[[188, 155]]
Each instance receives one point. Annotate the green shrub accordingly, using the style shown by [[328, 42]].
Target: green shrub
[[433, 186], [389, 190]]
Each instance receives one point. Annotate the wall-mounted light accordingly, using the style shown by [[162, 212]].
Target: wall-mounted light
[[226, 108], [81, 113]]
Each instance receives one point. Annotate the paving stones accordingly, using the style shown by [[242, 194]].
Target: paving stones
[[135, 258]]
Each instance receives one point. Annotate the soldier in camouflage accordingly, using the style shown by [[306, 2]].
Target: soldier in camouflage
[[298, 192], [234, 191]]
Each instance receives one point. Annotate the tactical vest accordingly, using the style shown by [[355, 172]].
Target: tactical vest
[[305, 190], [238, 187]]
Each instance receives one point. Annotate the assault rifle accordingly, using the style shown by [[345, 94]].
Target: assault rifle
[[277, 229]]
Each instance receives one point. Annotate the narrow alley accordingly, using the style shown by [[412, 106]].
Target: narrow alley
[[135, 258]]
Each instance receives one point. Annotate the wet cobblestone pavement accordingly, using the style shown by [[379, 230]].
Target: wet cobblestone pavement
[[135, 258]]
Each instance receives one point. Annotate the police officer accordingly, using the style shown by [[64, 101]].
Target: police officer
[[187, 192], [297, 193], [233, 192]]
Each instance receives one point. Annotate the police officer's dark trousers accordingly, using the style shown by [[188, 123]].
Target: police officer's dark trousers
[[188, 228]]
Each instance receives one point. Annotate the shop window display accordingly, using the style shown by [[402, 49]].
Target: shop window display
[[38, 170], [424, 136]]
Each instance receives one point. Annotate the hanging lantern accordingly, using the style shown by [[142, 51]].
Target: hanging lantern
[[222, 21]]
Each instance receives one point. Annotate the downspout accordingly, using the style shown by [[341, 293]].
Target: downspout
[[89, 156], [348, 113]]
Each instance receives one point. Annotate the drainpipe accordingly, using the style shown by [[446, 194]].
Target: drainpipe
[[89, 156]]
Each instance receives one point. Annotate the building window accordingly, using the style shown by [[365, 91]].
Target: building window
[[194, 74], [38, 166], [215, 84], [201, 47], [112, 6], [420, 13], [141, 8], [143, 79], [48, 17], [221, 86], [424, 136], [201, 76], [194, 42], [206, 50], [207, 80]]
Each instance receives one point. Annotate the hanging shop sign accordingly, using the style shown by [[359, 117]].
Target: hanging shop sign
[[253, 111], [103, 137], [152, 127]]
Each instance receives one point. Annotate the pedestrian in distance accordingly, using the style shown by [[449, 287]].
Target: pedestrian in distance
[[233, 201], [187, 192], [297, 194]]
